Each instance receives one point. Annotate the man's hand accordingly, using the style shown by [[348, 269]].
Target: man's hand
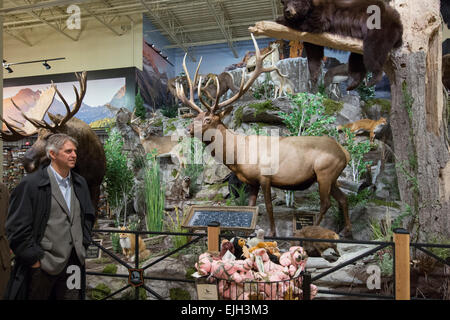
[[36, 265]]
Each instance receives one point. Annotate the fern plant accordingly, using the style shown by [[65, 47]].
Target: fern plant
[[357, 151]]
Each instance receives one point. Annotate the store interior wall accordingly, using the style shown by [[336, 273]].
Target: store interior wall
[[98, 48]]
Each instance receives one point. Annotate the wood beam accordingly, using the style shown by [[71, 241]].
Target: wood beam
[[275, 30]]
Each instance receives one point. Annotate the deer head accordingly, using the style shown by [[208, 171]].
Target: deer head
[[34, 123], [212, 117]]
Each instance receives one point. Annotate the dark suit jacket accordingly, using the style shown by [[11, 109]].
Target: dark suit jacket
[[5, 256], [28, 214]]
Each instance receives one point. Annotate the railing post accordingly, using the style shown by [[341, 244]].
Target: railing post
[[402, 264], [306, 286], [213, 236]]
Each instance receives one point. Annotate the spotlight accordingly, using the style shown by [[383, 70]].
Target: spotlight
[[46, 65], [7, 67]]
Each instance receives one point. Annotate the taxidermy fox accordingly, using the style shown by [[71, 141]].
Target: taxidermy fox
[[128, 244], [366, 125]]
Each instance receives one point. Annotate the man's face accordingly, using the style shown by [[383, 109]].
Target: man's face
[[66, 157]]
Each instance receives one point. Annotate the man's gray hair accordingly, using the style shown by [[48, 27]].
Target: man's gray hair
[[56, 141]]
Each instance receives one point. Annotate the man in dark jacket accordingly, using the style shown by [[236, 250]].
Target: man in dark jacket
[[49, 225]]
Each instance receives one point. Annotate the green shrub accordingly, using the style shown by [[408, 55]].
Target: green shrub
[[309, 117], [118, 177], [265, 89], [170, 111], [357, 151], [242, 199], [366, 93], [139, 110]]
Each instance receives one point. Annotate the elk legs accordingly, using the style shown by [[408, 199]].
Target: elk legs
[[253, 195], [265, 186], [343, 208], [325, 203]]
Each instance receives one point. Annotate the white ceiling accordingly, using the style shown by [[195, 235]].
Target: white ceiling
[[185, 23]]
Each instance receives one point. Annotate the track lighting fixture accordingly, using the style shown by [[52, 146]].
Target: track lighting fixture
[[7, 66], [46, 65]]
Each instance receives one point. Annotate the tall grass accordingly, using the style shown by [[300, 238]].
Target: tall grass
[[174, 225], [154, 194]]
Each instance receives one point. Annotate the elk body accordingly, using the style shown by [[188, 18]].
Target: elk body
[[91, 161], [301, 160]]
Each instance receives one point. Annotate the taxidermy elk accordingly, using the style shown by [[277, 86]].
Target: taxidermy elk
[[91, 161], [301, 161]]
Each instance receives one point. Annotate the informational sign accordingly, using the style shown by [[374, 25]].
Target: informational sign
[[136, 277], [94, 252], [238, 218], [205, 290], [303, 219]]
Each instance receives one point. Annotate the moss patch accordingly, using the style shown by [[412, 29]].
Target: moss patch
[[384, 203], [332, 107], [384, 103], [100, 292], [217, 186], [158, 123], [179, 294], [190, 272], [218, 197], [170, 125], [110, 269], [261, 107], [238, 115]]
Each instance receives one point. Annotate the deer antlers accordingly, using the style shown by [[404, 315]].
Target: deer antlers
[[244, 86], [36, 115]]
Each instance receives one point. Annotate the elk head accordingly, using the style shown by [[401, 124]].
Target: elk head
[[35, 123], [212, 117]]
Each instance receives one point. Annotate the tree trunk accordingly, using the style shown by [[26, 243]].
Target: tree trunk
[[418, 119], [418, 116]]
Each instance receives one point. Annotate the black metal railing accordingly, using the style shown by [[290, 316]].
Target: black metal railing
[[307, 278], [134, 271]]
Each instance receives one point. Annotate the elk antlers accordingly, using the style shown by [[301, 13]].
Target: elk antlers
[[244, 86], [36, 115]]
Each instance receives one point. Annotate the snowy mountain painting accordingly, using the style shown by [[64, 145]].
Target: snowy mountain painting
[[99, 94]]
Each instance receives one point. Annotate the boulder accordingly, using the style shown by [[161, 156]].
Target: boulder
[[350, 112]]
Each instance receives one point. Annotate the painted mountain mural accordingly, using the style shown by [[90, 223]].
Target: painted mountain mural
[[152, 80], [91, 110]]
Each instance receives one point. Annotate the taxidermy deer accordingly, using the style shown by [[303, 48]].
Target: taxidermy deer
[[282, 83], [299, 160], [91, 161], [226, 82], [163, 144]]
